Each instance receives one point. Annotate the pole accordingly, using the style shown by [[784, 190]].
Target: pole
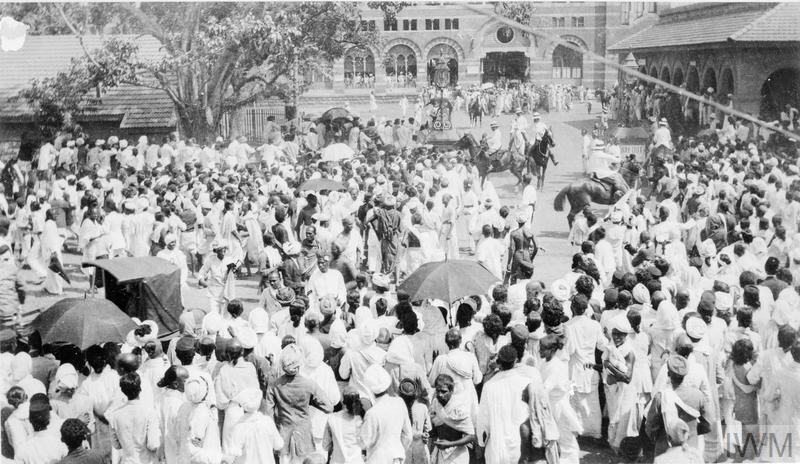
[[645, 77]]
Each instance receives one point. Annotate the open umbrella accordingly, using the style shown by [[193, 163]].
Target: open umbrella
[[83, 322], [318, 185], [337, 152], [448, 280], [336, 113], [58, 268]]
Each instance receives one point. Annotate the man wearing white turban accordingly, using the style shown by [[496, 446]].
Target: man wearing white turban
[[355, 362], [386, 432], [177, 257], [21, 367], [255, 437], [196, 423]]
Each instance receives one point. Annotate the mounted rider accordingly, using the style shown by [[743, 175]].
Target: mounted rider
[[539, 128], [522, 123], [602, 167], [494, 142]]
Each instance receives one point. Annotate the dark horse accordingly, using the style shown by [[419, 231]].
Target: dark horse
[[538, 155], [583, 192], [486, 165]]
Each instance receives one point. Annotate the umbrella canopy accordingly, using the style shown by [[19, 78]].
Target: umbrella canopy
[[448, 280], [336, 113], [318, 185], [623, 133], [337, 152], [83, 322], [487, 85]]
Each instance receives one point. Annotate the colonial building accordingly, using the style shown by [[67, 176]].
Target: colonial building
[[750, 51], [479, 48]]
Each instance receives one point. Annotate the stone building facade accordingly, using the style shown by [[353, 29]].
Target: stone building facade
[[479, 48]]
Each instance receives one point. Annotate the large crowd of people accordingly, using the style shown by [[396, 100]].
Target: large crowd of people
[[674, 327]]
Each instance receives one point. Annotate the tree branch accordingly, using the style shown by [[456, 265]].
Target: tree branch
[[78, 35]]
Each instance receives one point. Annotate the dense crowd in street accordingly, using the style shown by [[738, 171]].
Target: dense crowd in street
[[674, 329]]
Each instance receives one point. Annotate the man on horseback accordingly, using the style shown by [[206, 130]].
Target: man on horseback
[[539, 128], [494, 142], [601, 166]]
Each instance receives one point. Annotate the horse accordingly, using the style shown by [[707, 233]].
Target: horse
[[583, 192], [475, 111], [505, 161], [538, 155]]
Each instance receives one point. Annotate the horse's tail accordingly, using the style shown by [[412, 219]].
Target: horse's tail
[[558, 202]]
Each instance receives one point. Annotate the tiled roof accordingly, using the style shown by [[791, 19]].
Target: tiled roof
[[777, 23], [44, 56], [780, 24]]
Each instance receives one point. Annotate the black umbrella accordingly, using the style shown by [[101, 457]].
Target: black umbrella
[[83, 322], [448, 280], [58, 268], [336, 113]]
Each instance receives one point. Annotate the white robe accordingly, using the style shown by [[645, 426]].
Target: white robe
[[500, 413]]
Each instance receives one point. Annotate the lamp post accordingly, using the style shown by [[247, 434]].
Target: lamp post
[[441, 79]]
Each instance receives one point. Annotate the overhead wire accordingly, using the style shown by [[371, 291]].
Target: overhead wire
[[633, 72]]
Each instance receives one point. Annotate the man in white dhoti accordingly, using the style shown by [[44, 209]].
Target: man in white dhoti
[[175, 256], [386, 432], [501, 410], [216, 275]]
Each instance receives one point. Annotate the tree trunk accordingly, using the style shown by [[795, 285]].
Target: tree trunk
[[193, 124]]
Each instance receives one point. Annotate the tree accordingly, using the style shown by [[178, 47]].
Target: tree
[[216, 57]]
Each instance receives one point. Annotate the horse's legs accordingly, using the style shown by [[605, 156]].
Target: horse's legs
[[540, 179]]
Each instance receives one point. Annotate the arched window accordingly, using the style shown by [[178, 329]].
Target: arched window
[[359, 65], [567, 63], [401, 60]]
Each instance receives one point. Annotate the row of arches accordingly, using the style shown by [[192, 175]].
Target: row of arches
[[781, 86], [722, 86], [400, 62]]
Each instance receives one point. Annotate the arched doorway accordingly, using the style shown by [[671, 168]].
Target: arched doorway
[[677, 77], [693, 80], [665, 75], [726, 82], [782, 87], [710, 81], [567, 64], [359, 68], [400, 65], [446, 53], [653, 72]]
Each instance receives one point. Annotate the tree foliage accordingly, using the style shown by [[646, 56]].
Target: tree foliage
[[215, 57], [521, 12]]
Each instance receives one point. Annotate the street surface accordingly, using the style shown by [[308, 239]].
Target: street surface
[[550, 227]]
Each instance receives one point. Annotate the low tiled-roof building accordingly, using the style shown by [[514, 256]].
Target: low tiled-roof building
[[126, 111], [748, 50]]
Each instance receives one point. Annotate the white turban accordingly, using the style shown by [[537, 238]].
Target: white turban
[[377, 379]]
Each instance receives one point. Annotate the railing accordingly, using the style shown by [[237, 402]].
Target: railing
[[251, 122]]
